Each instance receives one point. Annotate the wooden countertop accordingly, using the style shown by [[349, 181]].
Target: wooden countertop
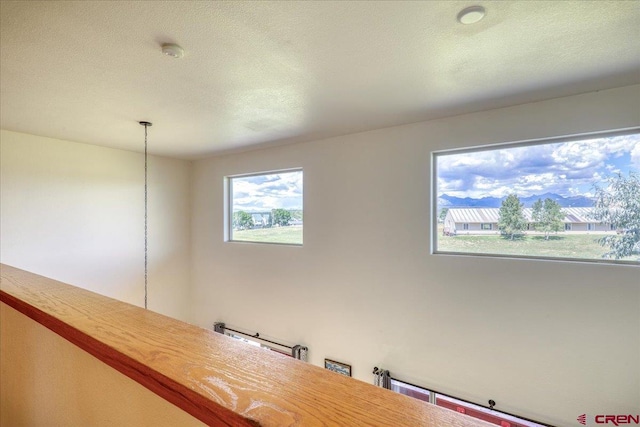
[[217, 379]]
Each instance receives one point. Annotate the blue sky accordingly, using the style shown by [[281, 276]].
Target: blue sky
[[567, 169], [262, 193]]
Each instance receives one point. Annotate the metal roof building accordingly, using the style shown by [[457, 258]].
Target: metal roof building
[[485, 220], [491, 215]]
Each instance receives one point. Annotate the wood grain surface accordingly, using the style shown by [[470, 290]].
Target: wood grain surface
[[219, 380]]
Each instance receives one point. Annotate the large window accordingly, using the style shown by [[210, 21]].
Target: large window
[[490, 415], [266, 207], [568, 198]]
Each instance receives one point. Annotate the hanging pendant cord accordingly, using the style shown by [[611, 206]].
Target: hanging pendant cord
[[146, 234], [146, 240]]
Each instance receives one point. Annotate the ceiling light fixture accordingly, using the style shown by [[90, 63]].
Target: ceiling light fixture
[[471, 15], [146, 187], [172, 50]]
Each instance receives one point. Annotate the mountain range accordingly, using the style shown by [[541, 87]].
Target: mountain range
[[446, 201]]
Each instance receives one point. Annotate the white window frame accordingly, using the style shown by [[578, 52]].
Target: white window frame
[[506, 145], [228, 205]]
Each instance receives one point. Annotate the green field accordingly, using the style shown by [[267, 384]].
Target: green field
[[558, 246], [291, 234]]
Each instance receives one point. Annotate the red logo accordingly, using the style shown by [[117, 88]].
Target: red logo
[[617, 420]]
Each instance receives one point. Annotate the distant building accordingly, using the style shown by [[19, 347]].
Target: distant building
[[485, 221], [261, 219]]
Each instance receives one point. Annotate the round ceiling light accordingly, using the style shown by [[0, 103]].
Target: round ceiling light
[[172, 50], [471, 15]]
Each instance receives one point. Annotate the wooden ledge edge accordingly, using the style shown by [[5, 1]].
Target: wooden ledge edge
[[205, 410]]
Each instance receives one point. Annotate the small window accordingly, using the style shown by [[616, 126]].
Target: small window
[[277, 347], [572, 198], [266, 208], [243, 339]]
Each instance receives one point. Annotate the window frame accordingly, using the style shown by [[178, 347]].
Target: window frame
[[456, 403], [505, 145], [252, 342], [228, 206]]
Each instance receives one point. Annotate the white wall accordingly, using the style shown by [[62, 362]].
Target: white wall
[[48, 381], [75, 213], [547, 340]]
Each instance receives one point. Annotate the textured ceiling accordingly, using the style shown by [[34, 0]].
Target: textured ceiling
[[257, 73]]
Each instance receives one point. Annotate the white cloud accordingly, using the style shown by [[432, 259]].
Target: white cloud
[[266, 192], [635, 156], [569, 168]]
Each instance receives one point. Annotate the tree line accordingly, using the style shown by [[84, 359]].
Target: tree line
[[244, 221], [617, 203], [546, 215]]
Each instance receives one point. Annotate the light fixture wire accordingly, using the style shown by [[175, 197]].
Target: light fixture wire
[[146, 204]]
